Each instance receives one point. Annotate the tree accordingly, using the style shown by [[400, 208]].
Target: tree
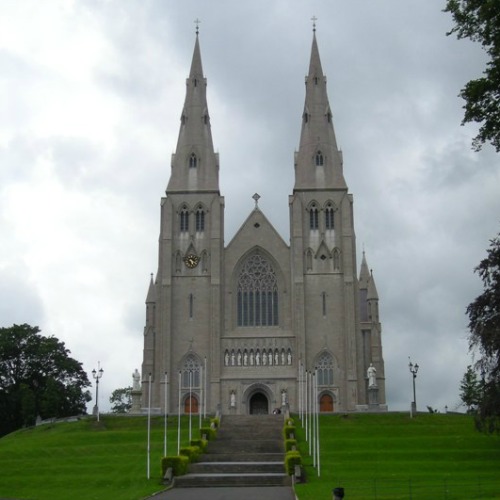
[[37, 378], [121, 399], [484, 326], [479, 20], [470, 390]]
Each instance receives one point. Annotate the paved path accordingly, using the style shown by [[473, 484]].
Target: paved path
[[227, 493]]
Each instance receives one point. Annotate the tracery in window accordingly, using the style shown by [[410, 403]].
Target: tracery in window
[[193, 161], [319, 159], [257, 293], [184, 219], [325, 369], [329, 212], [190, 373], [313, 217]]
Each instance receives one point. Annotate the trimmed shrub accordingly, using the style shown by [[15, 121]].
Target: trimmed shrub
[[208, 432], [215, 421], [192, 452], [290, 421], [178, 463], [289, 444], [292, 458], [201, 443], [289, 432]]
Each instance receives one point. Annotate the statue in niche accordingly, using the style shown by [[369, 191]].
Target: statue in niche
[[233, 358], [270, 357], [289, 357], [257, 357], [136, 380], [245, 358], [283, 397], [264, 357], [251, 359], [226, 358], [233, 399], [276, 357], [239, 357], [372, 376], [283, 357]]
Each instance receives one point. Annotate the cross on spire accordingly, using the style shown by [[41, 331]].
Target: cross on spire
[[197, 22], [314, 19]]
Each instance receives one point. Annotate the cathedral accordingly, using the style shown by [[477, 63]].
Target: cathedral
[[241, 328]]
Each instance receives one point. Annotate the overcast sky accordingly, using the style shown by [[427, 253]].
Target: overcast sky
[[91, 94]]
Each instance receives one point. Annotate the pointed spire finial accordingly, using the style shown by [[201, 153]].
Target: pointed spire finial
[[314, 19], [197, 22]]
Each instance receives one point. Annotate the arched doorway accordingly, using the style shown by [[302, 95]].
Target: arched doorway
[[191, 404], [259, 405], [326, 403]]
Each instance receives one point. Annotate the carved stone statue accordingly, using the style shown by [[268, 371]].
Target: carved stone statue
[[283, 397], [136, 377], [372, 376], [233, 399]]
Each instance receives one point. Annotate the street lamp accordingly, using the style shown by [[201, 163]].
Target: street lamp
[[97, 374], [413, 370]]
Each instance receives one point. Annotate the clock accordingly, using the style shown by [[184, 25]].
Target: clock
[[191, 260]]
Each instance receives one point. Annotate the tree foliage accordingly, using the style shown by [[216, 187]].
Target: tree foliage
[[121, 400], [484, 326], [471, 390], [479, 20], [37, 378]]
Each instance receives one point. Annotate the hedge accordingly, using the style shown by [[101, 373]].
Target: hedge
[[289, 432], [179, 465], [192, 452], [292, 458]]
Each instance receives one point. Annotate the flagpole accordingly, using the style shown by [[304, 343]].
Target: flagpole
[[200, 406], [317, 425], [306, 403], [149, 425], [179, 419], [300, 392], [190, 402], [205, 392], [313, 407], [166, 413]]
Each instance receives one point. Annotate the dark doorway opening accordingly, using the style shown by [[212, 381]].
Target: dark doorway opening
[[191, 405], [259, 404], [326, 403]]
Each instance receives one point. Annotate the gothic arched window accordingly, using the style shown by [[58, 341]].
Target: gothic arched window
[[190, 373], [313, 217], [257, 293], [200, 220], [319, 159], [193, 161], [184, 220], [329, 216], [325, 369]]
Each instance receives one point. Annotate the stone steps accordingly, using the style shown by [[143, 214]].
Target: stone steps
[[248, 451]]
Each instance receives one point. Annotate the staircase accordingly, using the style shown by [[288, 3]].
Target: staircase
[[248, 451]]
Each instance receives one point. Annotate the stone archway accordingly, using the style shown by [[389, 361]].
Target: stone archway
[[258, 404], [326, 403], [191, 404]]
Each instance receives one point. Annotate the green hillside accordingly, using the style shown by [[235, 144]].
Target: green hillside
[[391, 456], [387, 456], [86, 459]]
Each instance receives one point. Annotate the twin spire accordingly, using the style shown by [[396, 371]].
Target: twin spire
[[318, 162]]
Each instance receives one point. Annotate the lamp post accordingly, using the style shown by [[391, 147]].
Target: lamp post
[[413, 370], [97, 374]]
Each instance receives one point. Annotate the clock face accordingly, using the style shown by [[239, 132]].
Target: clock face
[[191, 260]]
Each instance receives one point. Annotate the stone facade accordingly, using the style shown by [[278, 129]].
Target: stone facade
[[236, 327]]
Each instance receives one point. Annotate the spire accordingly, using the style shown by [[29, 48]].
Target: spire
[[195, 165], [318, 163], [151, 298], [372, 289], [364, 274]]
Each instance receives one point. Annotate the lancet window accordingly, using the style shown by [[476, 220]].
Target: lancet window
[[200, 220], [329, 221], [184, 220], [313, 217], [319, 159], [257, 293]]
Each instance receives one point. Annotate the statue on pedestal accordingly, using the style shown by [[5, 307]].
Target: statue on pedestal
[[372, 376]]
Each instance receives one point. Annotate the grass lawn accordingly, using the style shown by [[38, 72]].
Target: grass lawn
[[390, 456], [87, 459]]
